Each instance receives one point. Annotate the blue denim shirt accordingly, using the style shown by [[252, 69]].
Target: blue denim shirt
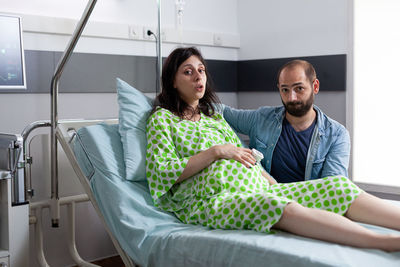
[[329, 150]]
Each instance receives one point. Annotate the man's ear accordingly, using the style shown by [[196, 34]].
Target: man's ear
[[315, 86]]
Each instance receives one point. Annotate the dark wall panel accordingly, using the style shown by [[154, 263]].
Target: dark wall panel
[[223, 74], [260, 75], [96, 73]]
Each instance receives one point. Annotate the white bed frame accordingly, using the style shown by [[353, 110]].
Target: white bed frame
[[66, 133]]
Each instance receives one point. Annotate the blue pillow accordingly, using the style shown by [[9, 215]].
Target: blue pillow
[[134, 109]]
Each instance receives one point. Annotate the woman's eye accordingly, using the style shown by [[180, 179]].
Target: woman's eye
[[202, 70], [187, 72]]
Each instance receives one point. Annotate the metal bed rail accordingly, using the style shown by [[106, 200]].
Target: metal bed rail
[[27, 159]]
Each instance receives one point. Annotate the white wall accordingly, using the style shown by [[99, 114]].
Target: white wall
[[19, 110], [292, 28], [200, 17]]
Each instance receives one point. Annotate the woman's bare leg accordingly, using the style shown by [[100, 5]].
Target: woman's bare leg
[[329, 226], [367, 208]]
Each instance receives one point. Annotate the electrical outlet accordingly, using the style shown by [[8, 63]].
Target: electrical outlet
[[217, 39], [135, 32], [145, 33]]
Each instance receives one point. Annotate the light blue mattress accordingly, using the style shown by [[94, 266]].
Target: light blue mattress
[[155, 238]]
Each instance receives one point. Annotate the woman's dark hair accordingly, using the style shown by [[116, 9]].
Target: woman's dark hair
[[169, 97]]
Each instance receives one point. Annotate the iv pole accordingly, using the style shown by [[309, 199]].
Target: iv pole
[[159, 59]]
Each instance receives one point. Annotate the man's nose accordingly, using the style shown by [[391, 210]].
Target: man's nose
[[292, 96]]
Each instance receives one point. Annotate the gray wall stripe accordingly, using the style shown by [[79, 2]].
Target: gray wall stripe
[[96, 73]]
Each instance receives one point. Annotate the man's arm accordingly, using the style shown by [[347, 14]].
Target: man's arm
[[338, 157], [267, 176], [240, 120]]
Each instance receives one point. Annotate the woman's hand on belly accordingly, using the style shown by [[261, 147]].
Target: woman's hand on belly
[[203, 159], [240, 154]]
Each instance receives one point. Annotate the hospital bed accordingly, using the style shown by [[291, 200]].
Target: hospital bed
[[147, 236]]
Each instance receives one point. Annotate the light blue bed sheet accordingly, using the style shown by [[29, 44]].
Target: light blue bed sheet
[[152, 237]]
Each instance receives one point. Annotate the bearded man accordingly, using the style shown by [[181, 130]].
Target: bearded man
[[299, 142]]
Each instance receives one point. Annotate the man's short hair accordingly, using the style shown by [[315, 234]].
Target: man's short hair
[[307, 67]]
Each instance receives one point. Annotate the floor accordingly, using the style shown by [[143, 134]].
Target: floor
[[115, 261]]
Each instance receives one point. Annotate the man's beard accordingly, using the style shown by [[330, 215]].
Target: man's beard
[[299, 108]]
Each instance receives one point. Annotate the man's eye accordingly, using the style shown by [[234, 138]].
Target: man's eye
[[284, 90]]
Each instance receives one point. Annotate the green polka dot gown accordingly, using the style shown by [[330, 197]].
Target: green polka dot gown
[[226, 194]]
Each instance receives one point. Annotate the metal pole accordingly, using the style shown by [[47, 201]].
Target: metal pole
[[55, 210], [159, 59]]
